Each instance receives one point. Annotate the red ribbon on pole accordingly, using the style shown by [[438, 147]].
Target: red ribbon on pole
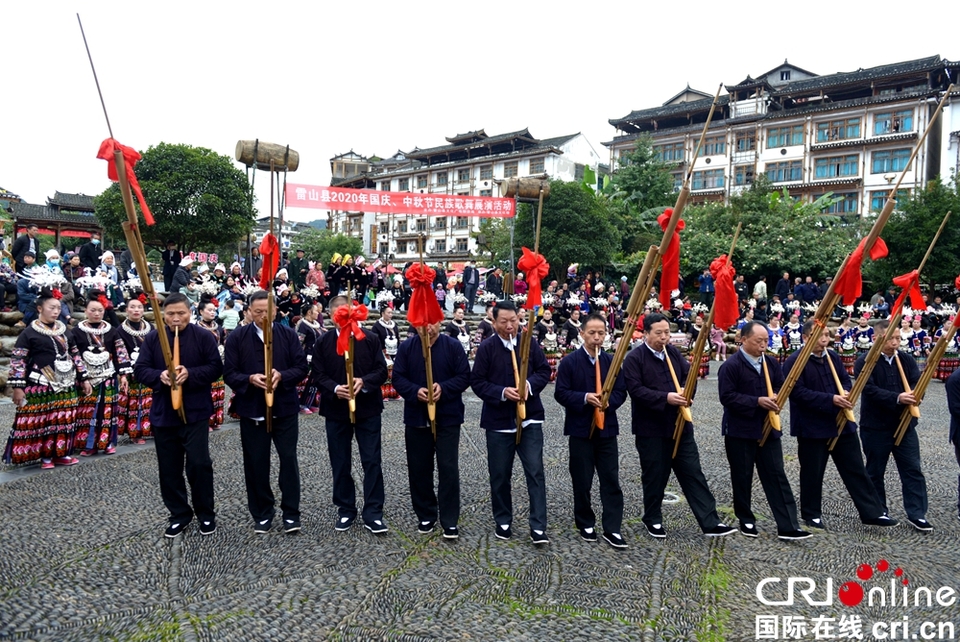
[[725, 305], [270, 251], [348, 318], [423, 309], [670, 276], [536, 268], [910, 284], [849, 284], [130, 158]]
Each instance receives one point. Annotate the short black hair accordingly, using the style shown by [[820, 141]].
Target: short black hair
[[504, 306], [257, 296], [653, 317], [337, 301], [174, 298], [748, 327], [807, 328], [881, 325], [593, 316]]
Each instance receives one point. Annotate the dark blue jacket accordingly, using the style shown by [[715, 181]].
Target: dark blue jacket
[[953, 403], [329, 370], [812, 413], [200, 355], [740, 385], [648, 382], [879, 409], [243, 356], [450, 369], [493, 371], [576, 376]]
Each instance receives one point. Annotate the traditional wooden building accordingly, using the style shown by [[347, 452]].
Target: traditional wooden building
[[68, 217], [848, 133]]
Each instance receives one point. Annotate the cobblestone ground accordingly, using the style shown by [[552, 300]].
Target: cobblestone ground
[[83, 556]]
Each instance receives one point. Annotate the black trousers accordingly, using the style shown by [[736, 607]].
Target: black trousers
[[956, 453], [878, 446], [656, 462], [600, 455], [420, 455], [813, 456], [255, 441], [502, 449], [185, 448], [746, 454], [340, 436]]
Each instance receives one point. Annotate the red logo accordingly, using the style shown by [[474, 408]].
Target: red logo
[[851, 593]]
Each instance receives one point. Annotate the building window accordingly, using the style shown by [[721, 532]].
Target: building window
[[440, 223], [677, 180], [384, 249], [421, 225], [463, 176], [463, 222], [890, 160], [402, 227], [510, 169], [672, 153], [441, 178], [486, 192], [835, 166], [536, 166], [742, 174], [708, 179], [785, 171], [785, 75], [713, 145], [879, 198], [440, 245], [422, 180], [486, 172], [893, 122], [385, 186], [838, 130], [784, 136], [846, 205], [404, 185], [461, 245], [384, 227], [746, 141]]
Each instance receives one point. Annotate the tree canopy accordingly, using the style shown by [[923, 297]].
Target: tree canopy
[[320, 245], [199, 199]]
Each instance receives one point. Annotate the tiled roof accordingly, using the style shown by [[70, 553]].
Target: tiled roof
[[72, 201], [489, 140], [4, 193], [29, 211], [461, 138], [859, 76], [669, 110], [559, 141]]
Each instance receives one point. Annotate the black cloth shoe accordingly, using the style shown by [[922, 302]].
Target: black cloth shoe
[[263, 526], [921, 524], [539, 537], [588, 534], [793, 535], [450, 532], [720, 530], [425, 528], [291, 525], [502, 531], [883, 520], [208, 528], [344, 522], [614, 540], [815, 522], [748, 530], [175, 528], [376, 526], [656, 530]]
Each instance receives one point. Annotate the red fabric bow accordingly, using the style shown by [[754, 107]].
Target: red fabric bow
[[57, 294], [130, 158], [670, 277], [270, 251], [423, 308], [348, 318], [956, 282], [910, 284], [142, 298], [849, 284], [104, 301], [725, 307], [536, 268]]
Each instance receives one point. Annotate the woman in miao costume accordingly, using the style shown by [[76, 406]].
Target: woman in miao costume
[[134, 418], [309, 330], [208, 322]]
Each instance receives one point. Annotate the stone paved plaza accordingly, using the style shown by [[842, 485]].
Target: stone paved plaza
[[84, 558]]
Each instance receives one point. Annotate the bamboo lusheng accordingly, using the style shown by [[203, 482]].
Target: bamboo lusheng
[[268, 329], [176, 394], [925, 377], [428, 362], [914, 410], [830, 300], [698, 347], [527, 337], [649, 268], [772, 416], [873, 355], [348, 365], [846, 412]]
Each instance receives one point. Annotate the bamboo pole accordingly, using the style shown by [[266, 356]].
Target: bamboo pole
[[846, 412], [914, 410], [527, 337], [348, 358], [267, 327], [698, 348], [830, 300], [427, 360], [925, 378], [772, 416]]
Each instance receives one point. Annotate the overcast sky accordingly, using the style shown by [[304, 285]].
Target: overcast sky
[[378, 76]]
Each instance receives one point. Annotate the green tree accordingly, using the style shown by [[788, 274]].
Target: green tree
[[493, 238], [638, 192], [198, 198], [908, 234], [320, 245], [576, 228], [779, 233]]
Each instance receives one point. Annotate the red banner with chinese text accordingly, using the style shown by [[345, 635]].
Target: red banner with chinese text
[[368, 200]]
